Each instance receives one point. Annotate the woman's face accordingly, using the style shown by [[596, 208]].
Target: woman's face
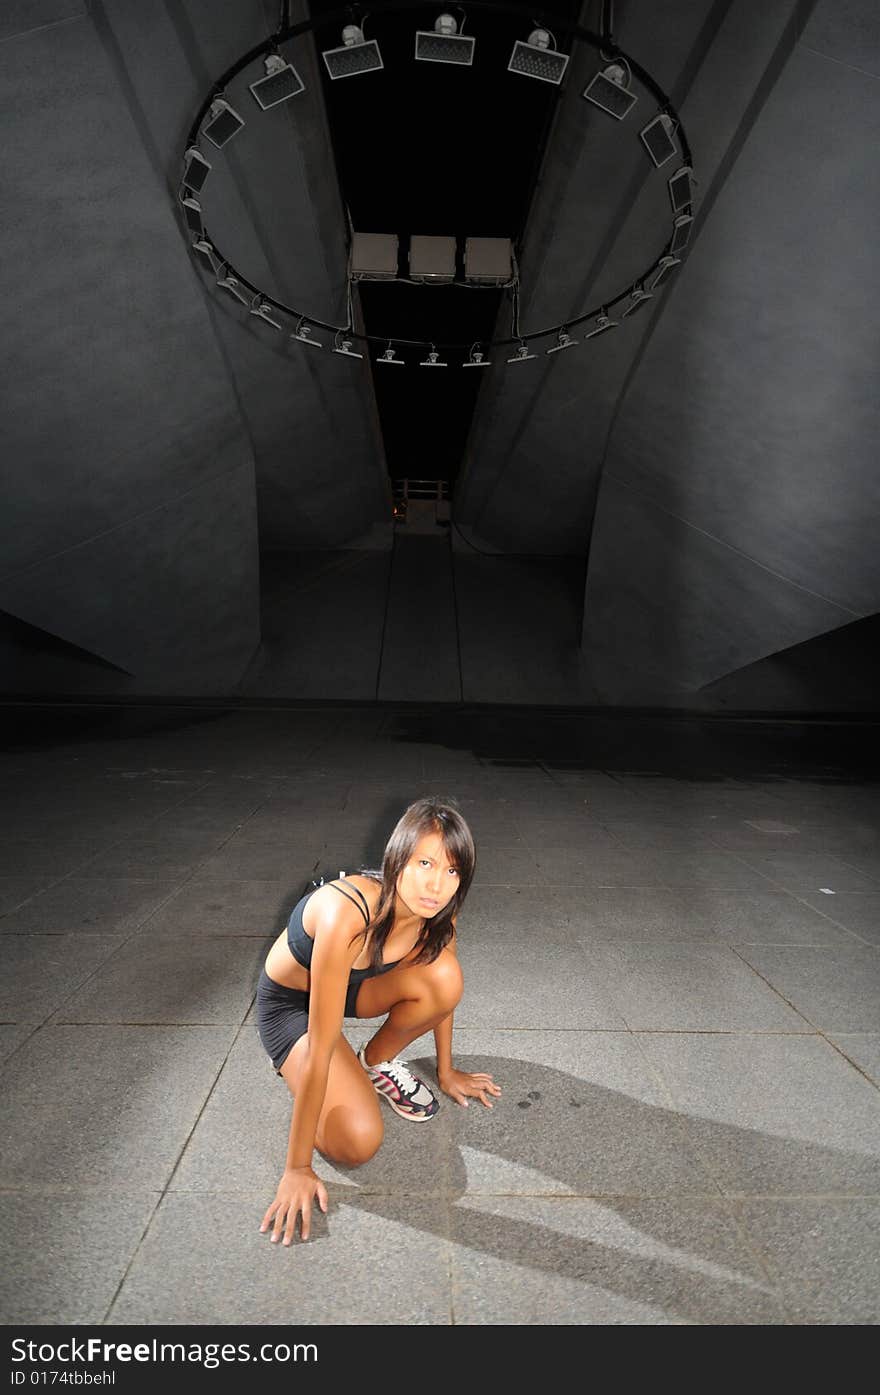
[[429, 880]]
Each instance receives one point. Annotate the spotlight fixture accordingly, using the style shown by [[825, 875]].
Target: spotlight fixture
[[444, 44], [536, 59], [387, 356], [197, 169], [564, 341], [661, 273], [522, 354], [205, 250], [609, 89], [681, 234], [602, 324], [281, 82], [476, 359], [302, 334], [657, 139], [357, 54], [639, 298], [192, 212], [432, 259], [223, 123], [343, 347], [488, 261], [263, 310], [681, 191], [373, 257], [433, 360], [231, 283]]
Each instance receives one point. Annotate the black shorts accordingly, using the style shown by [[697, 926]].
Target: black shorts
[[283, 1016]]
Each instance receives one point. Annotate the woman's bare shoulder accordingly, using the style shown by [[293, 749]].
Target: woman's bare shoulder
[[370, 886], [331, 907]]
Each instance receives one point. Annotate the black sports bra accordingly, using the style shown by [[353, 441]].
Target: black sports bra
[[301, 944]]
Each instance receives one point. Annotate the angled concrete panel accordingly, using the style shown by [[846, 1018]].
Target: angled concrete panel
[[272, 206], [742, 458], [670, 607], [170, 596], [113, 388]]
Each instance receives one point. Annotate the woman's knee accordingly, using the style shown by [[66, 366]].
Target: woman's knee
[[444, 981], [351, 1142]]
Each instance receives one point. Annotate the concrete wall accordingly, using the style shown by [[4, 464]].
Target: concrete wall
[[712, 460], [741, 469], [146, 419], [600, 217]]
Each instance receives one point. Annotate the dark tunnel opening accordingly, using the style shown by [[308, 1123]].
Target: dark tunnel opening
[[441, 150]]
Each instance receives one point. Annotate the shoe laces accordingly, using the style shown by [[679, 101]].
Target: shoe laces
[[401, 1074]]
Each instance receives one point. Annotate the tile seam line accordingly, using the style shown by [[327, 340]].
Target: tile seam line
[[656, 1072], [753, 1246], [170, 502], [42, 28], [49, 1020], [841, 62], [53, 1019], [818, 1031], [742, 856], [650, 1031], [731, 547], [163, 1192], [704, 1162], [694, 1154], [34, 1189]]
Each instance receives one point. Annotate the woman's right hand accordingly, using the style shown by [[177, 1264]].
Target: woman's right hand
[[296, 1191]]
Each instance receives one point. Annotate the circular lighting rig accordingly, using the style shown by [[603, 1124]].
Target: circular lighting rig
[[610, 90]]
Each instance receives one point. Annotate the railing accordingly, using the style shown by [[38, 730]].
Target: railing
[[406, 489]]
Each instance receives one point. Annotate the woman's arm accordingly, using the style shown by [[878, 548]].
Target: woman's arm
[[332, 957], [459, 1084], [326, 1007], [443, 1047]]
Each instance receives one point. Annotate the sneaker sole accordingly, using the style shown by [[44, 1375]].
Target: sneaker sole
[[417, 1118]]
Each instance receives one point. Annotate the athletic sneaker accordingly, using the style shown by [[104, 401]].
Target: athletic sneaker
[[394, 1081]]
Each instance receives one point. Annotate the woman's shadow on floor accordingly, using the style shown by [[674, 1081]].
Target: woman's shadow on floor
[[653, 1226]]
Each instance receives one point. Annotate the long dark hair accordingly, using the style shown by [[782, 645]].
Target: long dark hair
[[428, 815]]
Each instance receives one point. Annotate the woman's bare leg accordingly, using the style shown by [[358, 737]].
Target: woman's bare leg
[[416, 998], [350, 1124]]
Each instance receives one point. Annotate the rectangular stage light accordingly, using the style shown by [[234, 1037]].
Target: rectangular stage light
[[617, 100], [374, 256], [657, 140], [351, 59], [682, 233], [196, 170], [488, 261], [432, 259], [681, 193], [192, 212], [543, 63], [432, 47], [281, 82], [223, 123], [661, 273]]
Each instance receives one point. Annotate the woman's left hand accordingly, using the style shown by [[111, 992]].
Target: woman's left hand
[[461, 1085]]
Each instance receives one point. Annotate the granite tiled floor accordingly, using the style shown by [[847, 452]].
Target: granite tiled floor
[[672, 965]]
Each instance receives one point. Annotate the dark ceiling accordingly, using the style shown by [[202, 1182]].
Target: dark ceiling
[[434, 148]]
